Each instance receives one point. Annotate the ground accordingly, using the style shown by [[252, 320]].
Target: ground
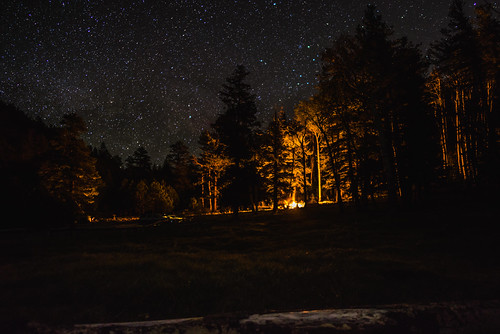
[[301, 259]]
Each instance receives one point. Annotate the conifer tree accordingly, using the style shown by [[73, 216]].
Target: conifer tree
[[180, 161], [488, 35], [369, 110], [274, 166], [139, 165], [465, 75], [237, 127], [69, 173], [109, 168]]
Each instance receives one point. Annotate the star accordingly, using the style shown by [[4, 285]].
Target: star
[[150, 72]]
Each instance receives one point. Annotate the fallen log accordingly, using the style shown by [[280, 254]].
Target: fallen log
[[439, 318]]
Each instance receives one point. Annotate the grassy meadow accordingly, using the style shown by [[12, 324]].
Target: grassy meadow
[[298, 259]]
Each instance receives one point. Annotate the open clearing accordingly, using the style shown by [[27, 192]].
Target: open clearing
[[312, 258]]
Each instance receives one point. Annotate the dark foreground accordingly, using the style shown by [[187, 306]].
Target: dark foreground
[[434, 318], [314, 258]]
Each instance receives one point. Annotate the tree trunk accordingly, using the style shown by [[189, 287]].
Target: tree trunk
[[386, 152], [350, 171], [318, 164], [292, 181], [304, 171], [459, 134], [203, 191], [336, 175], [275, 185], [210, 199], [215, 193]]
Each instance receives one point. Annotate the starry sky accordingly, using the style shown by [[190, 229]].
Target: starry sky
[[147, 73]]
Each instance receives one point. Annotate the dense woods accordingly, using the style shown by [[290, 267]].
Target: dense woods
[[386, 122]]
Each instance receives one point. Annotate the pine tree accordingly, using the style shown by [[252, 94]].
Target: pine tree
[[108, 166], [24, 144], [110, 169], [465, 64], [69, 173], [274, 163], [488, 36], [375, 57], [237, 127], [456, 59], [138, 165], [180, 161], [369, 110]]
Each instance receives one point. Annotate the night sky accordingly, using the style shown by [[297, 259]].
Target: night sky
[[148, 72]]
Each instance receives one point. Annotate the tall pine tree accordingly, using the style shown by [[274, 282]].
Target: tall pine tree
[[237, 127], [69, 172], [275, 164]]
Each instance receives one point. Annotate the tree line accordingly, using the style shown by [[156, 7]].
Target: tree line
[[385, 122], [50, 176]]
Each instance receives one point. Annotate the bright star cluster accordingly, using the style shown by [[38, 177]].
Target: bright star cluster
[[147, 73]]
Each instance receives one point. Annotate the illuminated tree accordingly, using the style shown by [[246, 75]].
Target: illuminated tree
[[161, 198], [69, 173], [213, 163], [308, 115], [369, 111], [488, 35], [299, 142], [466, 71], [292, 154], [437, 101], [156, 197], [316, 117]]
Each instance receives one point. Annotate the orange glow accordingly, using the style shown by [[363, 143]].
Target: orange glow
[[294, 205]]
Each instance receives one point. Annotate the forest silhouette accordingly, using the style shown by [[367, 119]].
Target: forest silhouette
[[386, 123]]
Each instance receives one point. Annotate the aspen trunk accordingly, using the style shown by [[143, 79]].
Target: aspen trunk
[[350, 162], [336, 175], [304, 170], [215, 194], [292, 177], [459, 136], [318, 161], [203, 191], [210, 194]]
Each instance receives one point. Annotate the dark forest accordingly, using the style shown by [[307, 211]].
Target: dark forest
[[382, 188], [386, 123]]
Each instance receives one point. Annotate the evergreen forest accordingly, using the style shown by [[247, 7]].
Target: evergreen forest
[[386, 123]]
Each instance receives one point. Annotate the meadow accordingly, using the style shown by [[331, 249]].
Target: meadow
[[301, 259]]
